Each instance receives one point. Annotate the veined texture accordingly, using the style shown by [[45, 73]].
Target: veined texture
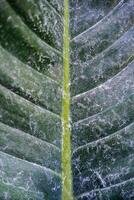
[[66, 99]]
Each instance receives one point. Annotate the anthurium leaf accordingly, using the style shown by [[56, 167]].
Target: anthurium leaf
[[102, 86], [30, 99], [66, 99]]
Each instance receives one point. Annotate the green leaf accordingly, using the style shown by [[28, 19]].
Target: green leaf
[[102, 77], [66, 100]]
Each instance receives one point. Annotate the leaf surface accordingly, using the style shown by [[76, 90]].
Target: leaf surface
[[102, 83], [66, 99]]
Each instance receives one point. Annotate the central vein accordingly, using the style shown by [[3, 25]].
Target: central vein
[[66, 137]]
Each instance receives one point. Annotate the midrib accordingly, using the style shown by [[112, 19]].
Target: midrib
[[66, 134]]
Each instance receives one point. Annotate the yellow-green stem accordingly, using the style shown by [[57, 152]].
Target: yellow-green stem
[[66, 134]]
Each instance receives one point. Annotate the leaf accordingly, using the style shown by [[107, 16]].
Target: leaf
[[30, 99], [102, 77], [66, 99]]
